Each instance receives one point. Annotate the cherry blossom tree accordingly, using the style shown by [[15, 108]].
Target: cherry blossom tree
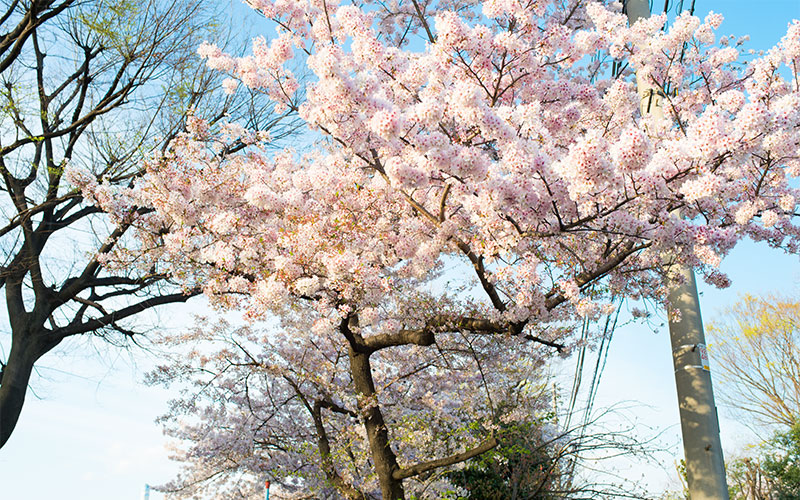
[[484, 170], [285, 407], [260, 403]]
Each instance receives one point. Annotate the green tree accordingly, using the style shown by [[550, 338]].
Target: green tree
[[781, 464], [523, 465], [772, 472], [536, 461]]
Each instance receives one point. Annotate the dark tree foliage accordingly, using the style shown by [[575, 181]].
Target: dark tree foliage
[[782, 464], [522, 466], [536, 461]]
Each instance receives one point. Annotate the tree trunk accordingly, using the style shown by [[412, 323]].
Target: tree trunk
[[378, 435], [14, 383]]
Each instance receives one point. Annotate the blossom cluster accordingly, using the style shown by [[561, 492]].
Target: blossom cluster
[[502, 142]]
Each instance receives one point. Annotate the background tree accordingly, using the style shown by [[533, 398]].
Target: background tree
[[756, 351], [746, 479], [96, 85], [768, 471], [755, 348], [781, 463]]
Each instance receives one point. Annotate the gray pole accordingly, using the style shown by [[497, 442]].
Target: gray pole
[[705, 468]]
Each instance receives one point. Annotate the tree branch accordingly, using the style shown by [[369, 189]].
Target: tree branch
[[76, 327], [422, 467], [441, 323]]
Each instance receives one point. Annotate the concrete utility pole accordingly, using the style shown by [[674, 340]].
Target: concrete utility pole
[[705, 468]]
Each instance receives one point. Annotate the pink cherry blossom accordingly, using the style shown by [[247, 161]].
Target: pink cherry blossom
[[479, 144]]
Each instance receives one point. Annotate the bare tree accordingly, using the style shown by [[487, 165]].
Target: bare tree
[[757, 354], [96, 84]]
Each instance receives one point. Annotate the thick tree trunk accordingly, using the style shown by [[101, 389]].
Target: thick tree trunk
[[382, 455], [14, 383]]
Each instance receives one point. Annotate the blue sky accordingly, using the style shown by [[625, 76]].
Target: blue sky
[[89, 435]]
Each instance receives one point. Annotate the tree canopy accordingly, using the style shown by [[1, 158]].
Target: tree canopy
[[484, 171]]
